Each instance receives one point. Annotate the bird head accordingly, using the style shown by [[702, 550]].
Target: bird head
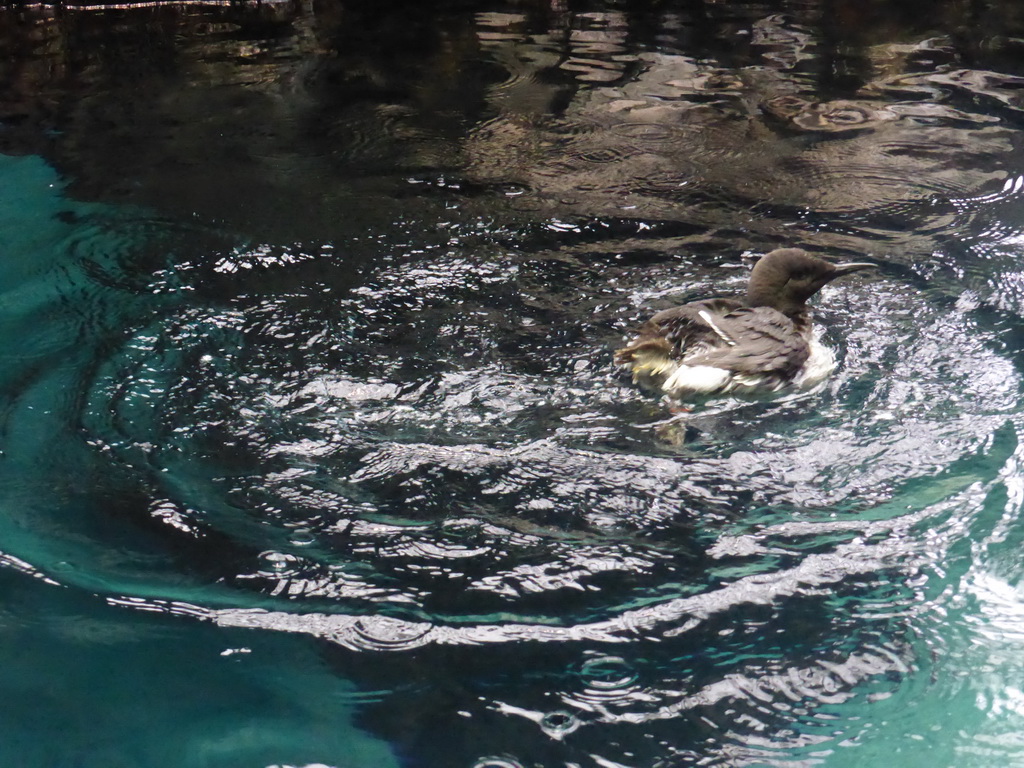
[[786, 278]]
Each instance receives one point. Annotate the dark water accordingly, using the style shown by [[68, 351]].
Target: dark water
[[311, 448]]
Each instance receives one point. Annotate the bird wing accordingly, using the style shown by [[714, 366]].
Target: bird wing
[[721, 333], [765, 341], [680, 331]]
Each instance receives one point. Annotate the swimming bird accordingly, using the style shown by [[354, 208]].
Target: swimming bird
[[764, 343]]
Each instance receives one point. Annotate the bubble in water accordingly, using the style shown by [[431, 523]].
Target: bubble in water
[[559, 723], [607, 673], [497, 762], [276, 563], [386, 633], [302, 537]]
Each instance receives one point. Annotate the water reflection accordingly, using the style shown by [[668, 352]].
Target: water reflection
[[328, 356]]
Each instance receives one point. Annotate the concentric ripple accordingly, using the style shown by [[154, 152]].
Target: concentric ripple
[[443, 457], [400, 442], [466, 479]]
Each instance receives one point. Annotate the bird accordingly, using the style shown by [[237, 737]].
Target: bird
[[761, 344]]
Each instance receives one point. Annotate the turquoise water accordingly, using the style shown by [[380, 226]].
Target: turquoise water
[[87, 682], [311, 448]]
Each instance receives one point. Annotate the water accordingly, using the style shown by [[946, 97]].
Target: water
[[311, 448]]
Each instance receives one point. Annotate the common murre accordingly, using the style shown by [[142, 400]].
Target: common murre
[[763, 344]]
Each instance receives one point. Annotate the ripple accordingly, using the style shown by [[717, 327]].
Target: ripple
[[1000, 89], [410, 447], [492, 488], [559, 724], [599, 155], [383, 634], [607, 673], [829, 117], [503, 761], [653, 132]]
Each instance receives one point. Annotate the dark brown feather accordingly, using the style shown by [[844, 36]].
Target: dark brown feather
[[766, 341], [762, 342]]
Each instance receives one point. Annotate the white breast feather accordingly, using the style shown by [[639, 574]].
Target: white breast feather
[[698, 379], [820, 363], [677, 379]]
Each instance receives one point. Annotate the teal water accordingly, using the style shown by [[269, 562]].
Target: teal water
[[87, 683], [311, 448]]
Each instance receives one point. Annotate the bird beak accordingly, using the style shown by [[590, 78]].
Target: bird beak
[[853, 266]]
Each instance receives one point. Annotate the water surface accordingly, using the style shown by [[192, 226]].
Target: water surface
[[311, 447]]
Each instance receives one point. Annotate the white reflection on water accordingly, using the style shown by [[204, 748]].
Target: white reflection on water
[[423, 447], [667, 619]]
